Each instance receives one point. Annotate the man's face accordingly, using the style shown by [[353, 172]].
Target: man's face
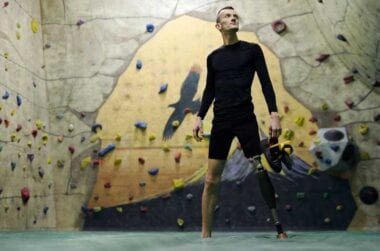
[[228, 20]]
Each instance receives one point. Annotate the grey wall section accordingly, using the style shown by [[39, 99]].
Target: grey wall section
[[82, 63]]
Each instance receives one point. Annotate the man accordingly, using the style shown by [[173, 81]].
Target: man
[[230, 72]]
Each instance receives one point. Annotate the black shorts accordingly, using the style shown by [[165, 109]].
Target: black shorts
[[222, 134]]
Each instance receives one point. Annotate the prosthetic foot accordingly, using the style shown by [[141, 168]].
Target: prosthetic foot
[[277, 153]]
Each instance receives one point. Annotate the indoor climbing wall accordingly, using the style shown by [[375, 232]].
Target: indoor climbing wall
[[97, 110], [26, 184]]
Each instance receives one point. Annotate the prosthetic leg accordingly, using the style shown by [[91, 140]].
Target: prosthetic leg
[[277, 153], [268, 194]]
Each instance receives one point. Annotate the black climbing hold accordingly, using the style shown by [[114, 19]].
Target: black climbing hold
[[341, 38], [368, 195], [95, 127]]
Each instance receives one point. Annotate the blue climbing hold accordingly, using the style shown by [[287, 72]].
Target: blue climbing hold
[[328, 161], [141, 125], [45, 210], [139, 64], [95, 127], [13, 165], [150, 28], [6, 95], [163, 88], [335, 148], [18, 98], [106, 150], [153, 171]]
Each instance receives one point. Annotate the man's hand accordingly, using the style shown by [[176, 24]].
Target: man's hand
[[274, 126], [198, 129]]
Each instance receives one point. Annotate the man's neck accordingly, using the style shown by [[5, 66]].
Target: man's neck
[[230, 38]]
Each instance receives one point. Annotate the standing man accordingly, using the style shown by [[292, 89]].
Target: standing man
[[230, 72]]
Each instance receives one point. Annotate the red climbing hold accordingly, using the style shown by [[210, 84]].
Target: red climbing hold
[[71, 149], [286, 109], [301, 144], [95, 163], [6, 123], [177, 157], [313, 119], [141, 161], [107, 185], [322, 57], [337, 118], [25, 195], [187, 110], [279, 26], [34, 133], [348, 79], [312, 132], [349, 103], [5, 4]]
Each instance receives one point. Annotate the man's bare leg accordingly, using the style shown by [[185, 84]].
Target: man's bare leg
[[210, 194]]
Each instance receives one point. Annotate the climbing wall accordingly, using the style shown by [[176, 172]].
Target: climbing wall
[[26, 184], [106, 94]]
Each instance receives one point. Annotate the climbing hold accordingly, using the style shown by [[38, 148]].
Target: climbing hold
[[45, 210], [188, 147], [300, 195], [318, 153], [142, 183], [337, 118], [41, 172], [97, 209], [30, 156], [71, 128], [60, 138], [13, 165], [152, 137], [313, 119], [141, 161], [278, 26], [80, 22], [349, 103], [18, 100], [18, 35], [178, 184], [5, 4], [13, 137], [368, 195], [143, 209], [95, 163], [107, 185], [25, 194], [163, 88], [339, 208], [376, 118], [118, 137], [251, 209], [6, 95], [18, 128], [6, 123], [141, 125], [325, 195], [153, 171], [34, 25], [39, 124], [327, 220], [341, 38], [188, 137], [376, 83], [59, 116], [312, 132], [166, 148], [322, 57], [288, 134], [96, 127], [286, 108], [189, 196], [299, 121], [119, 210], [106, 150], [364, 155], [363, 129], [13, 112], [139, 64], [94, 138], [177, 157], [60, 163], [117, 162], [82, 139], [34, 133], [45, 138], [348, 79], [324, 106], [327, 161], [85, 162], [180, 222], [301, 144], [47, 46], [175, 123], [187, 110], [335, 148], [150, 28]]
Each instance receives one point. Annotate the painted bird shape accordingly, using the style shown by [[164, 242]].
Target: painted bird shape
[[185, 104]]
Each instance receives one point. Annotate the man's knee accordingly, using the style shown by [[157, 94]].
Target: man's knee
[[212, 182]]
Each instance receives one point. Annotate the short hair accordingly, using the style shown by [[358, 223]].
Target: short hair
[[224, 8]]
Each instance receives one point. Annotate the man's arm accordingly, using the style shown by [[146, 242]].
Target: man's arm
[[207, 98], [269, 95]]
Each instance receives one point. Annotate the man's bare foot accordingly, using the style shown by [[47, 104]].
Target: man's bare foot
[[282, 236], [205, 235]]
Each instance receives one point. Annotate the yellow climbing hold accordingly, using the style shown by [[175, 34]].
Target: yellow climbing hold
[[19, 155], [299, 121], [324, 106], [152, 137], [85, 162], [364, 155], [39, 124], [18, 35], [288, 134], [317, 141], [97, 209], [34, 25], [13, 137], [178, 183], [29, 143], [180, 222], [49, 160], [13, 112], [166, 148], [118, 137], [117, 162], [6, 55], [45, 138], [312, 170], [119, 210], [363, 129], [189, 136], [18, 25], [175, 123], [94, 138]]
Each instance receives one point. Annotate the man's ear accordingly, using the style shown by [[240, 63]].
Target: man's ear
[[218, 26]]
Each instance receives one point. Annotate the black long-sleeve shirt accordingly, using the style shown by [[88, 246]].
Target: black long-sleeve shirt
[[230, 72]]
